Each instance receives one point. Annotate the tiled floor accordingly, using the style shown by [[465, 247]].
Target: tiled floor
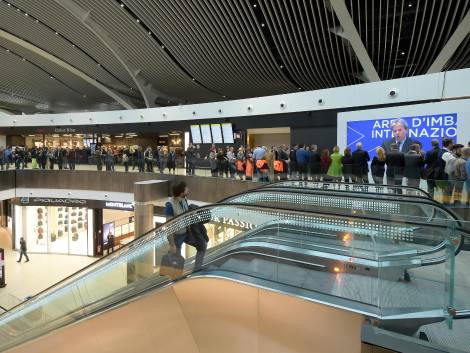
[[43, 270]]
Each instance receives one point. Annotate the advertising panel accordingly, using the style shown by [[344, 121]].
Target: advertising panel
[[372, 133]]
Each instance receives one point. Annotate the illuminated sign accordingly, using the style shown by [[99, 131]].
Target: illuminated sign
[[119, 205], [372, 133], [48, 200], [64, 130], [233, 222]]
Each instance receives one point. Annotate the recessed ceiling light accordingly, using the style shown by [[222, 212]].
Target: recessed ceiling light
[[262, 25], [26, 14], [402, 53], [56, 33], [122, 5], [409, 5], [138, 21]]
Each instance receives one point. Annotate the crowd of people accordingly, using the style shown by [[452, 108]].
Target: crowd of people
[[446, 167]]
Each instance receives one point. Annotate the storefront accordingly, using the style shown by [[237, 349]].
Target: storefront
[[71, 226], [60, 140], [120, 225], [55, 229]]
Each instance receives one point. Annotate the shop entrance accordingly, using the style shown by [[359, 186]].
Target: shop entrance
[[269, 137]]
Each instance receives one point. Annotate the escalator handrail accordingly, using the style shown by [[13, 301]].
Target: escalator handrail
[[174, 219], [425, 193], [297, 191], [382, 197]]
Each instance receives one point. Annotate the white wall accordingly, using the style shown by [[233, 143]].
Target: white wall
[[461, 107], [412, 89]]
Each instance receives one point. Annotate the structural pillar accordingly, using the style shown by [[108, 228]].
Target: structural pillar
[[145, 195]]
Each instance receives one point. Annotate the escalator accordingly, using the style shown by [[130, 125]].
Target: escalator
[[408, 209], [341, 261], [370, 189]]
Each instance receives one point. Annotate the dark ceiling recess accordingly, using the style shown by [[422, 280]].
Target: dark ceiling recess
[[204, 51], [404, 37], [161, 44], [21, 11]]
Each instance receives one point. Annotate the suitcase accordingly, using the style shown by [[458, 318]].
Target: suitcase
[[172, 265]]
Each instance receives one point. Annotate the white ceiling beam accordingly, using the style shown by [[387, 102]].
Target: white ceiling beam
[[146, 89], [451, 46], [352, 35], [62, 64]]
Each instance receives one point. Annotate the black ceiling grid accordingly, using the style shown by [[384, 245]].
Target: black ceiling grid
[[404, 37], [54, 41]]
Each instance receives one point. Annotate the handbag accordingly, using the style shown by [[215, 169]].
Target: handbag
[[172, 265]]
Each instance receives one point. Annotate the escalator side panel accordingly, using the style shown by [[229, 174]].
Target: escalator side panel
[[205, 314]]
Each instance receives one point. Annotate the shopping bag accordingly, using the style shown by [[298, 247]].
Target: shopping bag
[[172, 265]]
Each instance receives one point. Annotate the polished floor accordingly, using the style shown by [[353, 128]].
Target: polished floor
[[26, 279]]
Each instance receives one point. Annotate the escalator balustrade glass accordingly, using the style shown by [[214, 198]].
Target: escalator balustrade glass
[[349, 262]]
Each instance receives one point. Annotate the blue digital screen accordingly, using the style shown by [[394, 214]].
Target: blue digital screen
[[421, 128]]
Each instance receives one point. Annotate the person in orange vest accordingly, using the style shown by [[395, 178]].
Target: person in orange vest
[[249, 167], [240, 162], [278, 165], [262, 166]]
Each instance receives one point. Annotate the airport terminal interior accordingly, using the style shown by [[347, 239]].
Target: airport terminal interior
[[257, 176]]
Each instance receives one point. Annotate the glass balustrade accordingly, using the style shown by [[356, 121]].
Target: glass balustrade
[[344, 261]]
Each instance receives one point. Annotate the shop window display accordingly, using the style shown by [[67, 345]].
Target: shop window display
[[58, 230], [35, 220], [78, 231]]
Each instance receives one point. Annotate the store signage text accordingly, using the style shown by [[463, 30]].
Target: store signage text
[[64, 130], [233, 222], [26, 200], [120, 205]]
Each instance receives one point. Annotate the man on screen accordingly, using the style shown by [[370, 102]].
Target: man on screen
[[400, 137]]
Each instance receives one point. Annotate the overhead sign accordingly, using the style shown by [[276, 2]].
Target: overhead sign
[[422, 128], [119, 205], [51, 200], [54, 201]]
